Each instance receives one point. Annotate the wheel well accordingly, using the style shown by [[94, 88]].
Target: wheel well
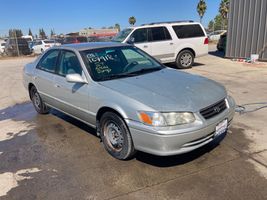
[[29, 88], [103, 110], [189, 50]]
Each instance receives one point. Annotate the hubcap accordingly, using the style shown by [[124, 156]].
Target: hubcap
[[186, 60], [113, 136], [36, 100]]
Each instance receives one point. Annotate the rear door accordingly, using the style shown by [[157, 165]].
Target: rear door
[[44, 76], [140, 40], [71, 97], [161, 44]]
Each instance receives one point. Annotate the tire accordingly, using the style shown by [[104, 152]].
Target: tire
[[37, 101], [116, 137], [185, 59]]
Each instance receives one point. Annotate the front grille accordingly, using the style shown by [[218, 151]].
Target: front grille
[[214, 109]]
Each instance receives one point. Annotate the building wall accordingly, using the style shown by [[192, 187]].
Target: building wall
[[98, 32], [247, 29]]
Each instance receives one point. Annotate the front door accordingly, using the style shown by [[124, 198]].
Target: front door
[[140, 39], [71, 97]]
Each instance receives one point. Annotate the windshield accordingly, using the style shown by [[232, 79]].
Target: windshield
[[122, 35], [49, 41], [118, 62]]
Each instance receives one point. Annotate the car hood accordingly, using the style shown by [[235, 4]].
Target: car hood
[[169, 90]]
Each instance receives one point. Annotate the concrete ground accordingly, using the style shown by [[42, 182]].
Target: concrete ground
[[56, 157]]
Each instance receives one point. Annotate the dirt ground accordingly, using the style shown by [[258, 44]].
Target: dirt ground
[[56, 157]]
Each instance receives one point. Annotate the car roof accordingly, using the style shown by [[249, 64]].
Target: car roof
[[91, 45]]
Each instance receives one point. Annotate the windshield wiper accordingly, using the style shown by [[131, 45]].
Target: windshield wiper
[[143, 71], [116, 76]]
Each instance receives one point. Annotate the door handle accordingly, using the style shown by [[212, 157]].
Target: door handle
[[145, 46], [171, 43], [57, 85]]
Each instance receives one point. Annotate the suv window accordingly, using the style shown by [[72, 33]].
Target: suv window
[[140, 35], [49, 61], [159, 34], [188, 31], [69, 64]]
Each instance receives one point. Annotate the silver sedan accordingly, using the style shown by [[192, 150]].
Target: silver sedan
[[133, 101]]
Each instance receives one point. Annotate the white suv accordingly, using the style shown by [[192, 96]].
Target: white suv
[[170, 42]]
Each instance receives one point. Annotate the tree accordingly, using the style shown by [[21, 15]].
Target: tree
[[211, 25], [218, 22], [132, 20], [117, 26], [224, 9], [30, 32], [15, 33], [201, 9], [52, 33], [42, 34]]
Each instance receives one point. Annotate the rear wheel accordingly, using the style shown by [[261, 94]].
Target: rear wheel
[[37, 101], [116, 137], [185, 59]]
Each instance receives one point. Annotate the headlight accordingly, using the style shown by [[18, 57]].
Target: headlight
[[166, 119]]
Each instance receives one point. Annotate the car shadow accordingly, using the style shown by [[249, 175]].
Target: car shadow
[[220, 54], [158, 161], [74, 122], [172, 65]]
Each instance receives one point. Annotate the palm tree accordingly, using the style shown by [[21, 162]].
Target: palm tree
[[201, 9], [132, 20], [224, 9]]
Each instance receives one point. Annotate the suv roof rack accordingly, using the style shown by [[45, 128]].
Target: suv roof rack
[[168, 22]]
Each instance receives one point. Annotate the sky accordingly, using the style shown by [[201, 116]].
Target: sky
[[74, 15]]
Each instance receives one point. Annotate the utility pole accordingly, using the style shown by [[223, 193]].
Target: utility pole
[[16, 42]]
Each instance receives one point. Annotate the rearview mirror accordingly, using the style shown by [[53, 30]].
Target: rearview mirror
[[75, 78]]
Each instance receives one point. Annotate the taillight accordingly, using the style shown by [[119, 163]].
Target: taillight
[[206, 41]]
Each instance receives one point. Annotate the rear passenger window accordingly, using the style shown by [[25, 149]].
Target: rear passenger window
[[160, 34], [49, 61], [140, 35], [188, 31]]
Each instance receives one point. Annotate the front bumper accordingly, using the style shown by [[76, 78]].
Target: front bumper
[[167, 141]]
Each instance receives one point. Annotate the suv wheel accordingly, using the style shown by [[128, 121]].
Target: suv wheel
[[37, 101], [116, 137], [185, 59]]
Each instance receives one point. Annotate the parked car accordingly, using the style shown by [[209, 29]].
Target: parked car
[[42, 45], [169, 42], [13, 45], [2, 46], [133, 101], [78, 39], [221, 45], [215, 36]]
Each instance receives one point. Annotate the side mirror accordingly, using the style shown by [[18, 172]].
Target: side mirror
[[130, 40], [75, 78]]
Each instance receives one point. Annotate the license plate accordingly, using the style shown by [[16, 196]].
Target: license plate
[[221, 128]]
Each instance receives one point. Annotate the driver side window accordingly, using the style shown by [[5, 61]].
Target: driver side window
[[69, 64], [140, 35]]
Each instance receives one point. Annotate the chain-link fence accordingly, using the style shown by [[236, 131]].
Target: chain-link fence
[[13, 43]]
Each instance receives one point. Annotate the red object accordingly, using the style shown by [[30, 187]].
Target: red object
[[206, 41]]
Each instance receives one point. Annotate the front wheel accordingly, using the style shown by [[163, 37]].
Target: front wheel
[[185, 59], [37, 101], [116, 137]]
